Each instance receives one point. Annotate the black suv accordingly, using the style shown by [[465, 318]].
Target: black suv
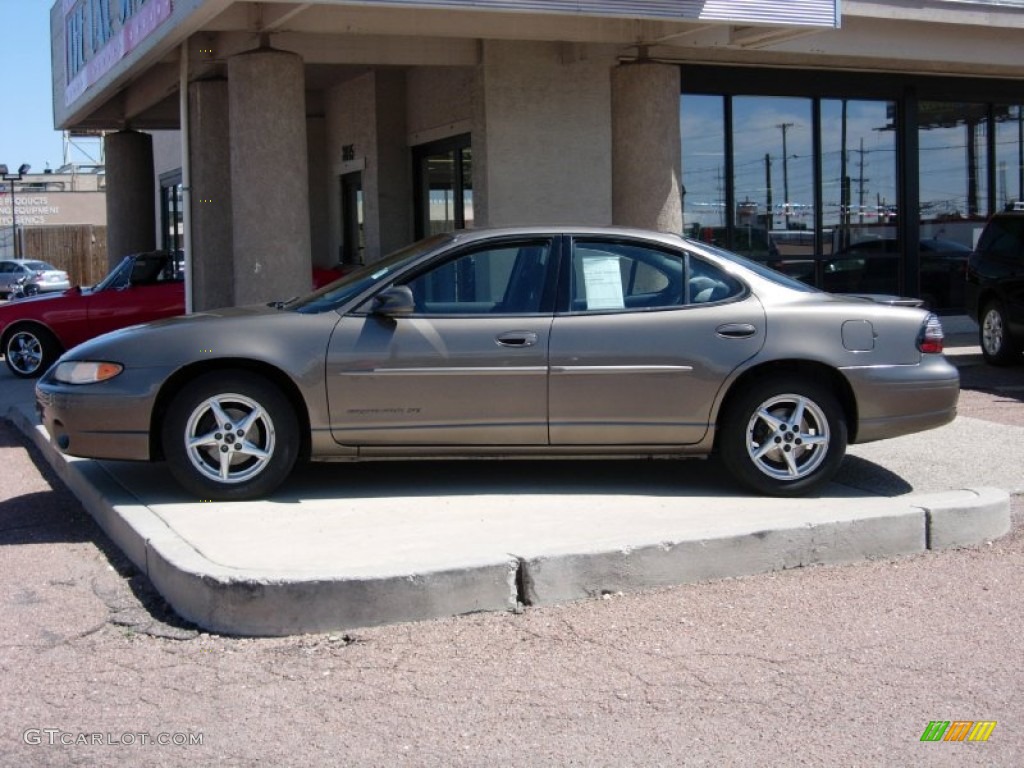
[[995, 288]]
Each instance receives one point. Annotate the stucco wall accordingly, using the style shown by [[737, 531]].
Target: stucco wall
[[547, 116], [349, 108], [439, 102]]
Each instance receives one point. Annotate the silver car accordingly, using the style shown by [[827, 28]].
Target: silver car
[[548, 342], [39, 277]]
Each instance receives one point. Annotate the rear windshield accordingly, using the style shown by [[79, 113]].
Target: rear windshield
[[761, 270], [1003, 237]]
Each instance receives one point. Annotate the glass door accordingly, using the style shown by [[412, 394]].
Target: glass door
[[353, 238], [443, 173]]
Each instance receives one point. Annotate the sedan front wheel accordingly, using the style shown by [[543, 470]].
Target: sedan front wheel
[[230, 436], [783, 437]]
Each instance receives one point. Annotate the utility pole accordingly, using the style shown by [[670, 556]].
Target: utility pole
[[785, 170], [844, 189], [861, 181]]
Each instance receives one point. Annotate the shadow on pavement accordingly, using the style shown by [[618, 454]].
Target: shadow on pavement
[[662, 478]]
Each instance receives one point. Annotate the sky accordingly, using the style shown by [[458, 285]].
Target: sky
[[26, 125]]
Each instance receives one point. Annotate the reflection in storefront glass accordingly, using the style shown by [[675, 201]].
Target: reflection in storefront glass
[[853, 243], [702, 123], [773, 162], [954, 197], [954, 174], [1009, 156], [860, 249]]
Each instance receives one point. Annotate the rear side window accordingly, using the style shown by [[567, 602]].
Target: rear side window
[[615, 276], [1003, 238]]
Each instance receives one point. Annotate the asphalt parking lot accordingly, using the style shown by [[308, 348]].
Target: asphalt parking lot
[[837, 664]]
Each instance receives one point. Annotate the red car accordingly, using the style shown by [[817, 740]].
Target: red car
[[35, 331]]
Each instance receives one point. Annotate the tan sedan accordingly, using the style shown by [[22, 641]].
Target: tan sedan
[[548, 342]]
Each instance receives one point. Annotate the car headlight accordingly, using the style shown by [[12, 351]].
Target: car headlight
[[85, 372]]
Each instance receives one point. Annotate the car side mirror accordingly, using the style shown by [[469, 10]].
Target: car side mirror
[[396, 300]]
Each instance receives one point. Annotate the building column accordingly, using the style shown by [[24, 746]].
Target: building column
[[269, 176], [394, 177], [131, 203], [213, 271], [646, 153]]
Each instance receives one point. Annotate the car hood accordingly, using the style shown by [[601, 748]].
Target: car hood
[[15, 307], [255, 332]]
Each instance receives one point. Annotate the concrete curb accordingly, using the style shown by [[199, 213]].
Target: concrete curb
[[243, 601]]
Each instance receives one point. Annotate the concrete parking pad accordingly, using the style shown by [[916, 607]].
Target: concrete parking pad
[[347, 545]]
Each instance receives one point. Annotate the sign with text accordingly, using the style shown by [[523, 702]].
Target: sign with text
[[99, 33]]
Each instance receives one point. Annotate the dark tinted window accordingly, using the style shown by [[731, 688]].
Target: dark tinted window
[[1003, 238]]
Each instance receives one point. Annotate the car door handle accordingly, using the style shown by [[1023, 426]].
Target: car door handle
[[517, 339], [736, 330]]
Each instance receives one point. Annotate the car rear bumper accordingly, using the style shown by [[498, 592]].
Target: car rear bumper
[[98, 421], [894, 400], [50, 287]]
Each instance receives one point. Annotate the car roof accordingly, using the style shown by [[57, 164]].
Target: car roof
[[468, 235]]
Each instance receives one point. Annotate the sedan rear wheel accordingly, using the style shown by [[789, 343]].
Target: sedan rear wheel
[[997, 346], [783, 437], [30, 351], [230, 436]]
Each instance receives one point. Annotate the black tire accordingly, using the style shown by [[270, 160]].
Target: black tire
[[780, 458], [997, 345], [253, 404], [29, 351]]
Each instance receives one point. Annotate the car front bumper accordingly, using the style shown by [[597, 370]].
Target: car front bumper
[[895, 400], [109, 420]]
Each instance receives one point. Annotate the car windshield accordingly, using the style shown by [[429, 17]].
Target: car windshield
[[760, 269], [365, 277], [117, 277]]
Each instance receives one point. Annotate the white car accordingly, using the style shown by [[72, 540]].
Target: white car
[[40, 277]]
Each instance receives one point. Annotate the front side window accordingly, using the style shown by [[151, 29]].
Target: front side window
[[509, 278]]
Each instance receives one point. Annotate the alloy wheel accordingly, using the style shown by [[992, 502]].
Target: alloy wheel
[[230, 438], [787, 437], [24, 353]]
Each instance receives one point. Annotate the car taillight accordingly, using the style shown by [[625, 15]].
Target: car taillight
[[930, 339]]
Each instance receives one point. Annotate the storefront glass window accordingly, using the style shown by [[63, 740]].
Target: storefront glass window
[[1009, 156], [860, 246], [702, 123], [172, 213], [954, 195], [773, 166], [847, 219], [953, 175]]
